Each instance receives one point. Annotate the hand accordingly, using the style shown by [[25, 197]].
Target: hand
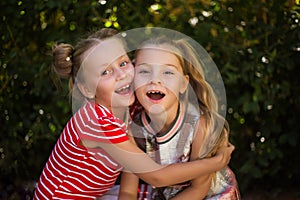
[[224, 154]]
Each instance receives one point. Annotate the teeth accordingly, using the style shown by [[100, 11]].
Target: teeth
[[123, 88], [154, 92]]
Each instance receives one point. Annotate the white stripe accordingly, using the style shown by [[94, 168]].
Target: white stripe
[[98, 130], [143, 189], [107, 159], [72, 194], [74, 144], [50, 181], [97, 116], [100, 117], [45, 197], [69, 133], [77, 167], [81, 161]]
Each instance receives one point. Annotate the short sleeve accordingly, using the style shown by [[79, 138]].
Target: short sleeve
[[100, 127]]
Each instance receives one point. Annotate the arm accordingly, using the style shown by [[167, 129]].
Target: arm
[[197, 190], [184, 171], [199, 186], [128, 186], [136, 161], [129, 183]]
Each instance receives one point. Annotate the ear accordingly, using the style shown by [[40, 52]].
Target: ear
[[86, 91], [185, 83]]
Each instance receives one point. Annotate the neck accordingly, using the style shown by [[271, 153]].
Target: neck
[[120, 112], [162, 121]]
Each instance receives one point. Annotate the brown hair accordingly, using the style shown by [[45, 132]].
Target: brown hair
[[68, 59]]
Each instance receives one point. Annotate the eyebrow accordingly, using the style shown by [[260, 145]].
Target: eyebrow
[[118, 58], [164, 64]]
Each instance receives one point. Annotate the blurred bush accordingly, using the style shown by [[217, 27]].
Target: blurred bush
[[255, 45]]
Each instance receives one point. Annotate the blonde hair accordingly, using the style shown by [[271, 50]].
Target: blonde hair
[[215, 125]]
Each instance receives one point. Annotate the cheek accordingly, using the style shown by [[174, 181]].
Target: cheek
[[173, 84], [178, 84], [104, 88], [174, 90], [140, 81], [138, 92], [140, 95], [130, 70], [93, 85]]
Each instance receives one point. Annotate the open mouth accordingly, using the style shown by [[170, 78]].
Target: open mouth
[[124, 90], [155, 95]]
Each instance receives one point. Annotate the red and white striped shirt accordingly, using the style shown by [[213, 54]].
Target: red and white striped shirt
[[75, 172]]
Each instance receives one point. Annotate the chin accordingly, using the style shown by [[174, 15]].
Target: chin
[[156, 109], [125, 103], [131, 102]]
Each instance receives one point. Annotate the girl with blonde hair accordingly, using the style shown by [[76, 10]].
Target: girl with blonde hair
[[177, 121]]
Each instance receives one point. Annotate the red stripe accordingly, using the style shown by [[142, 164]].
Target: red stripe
[[173, 130], [71, 166]]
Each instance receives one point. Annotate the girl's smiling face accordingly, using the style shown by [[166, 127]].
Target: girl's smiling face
[[158, 78], [108, 74]]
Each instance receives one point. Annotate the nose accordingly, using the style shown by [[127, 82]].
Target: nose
[[155, 78], [120, 73]]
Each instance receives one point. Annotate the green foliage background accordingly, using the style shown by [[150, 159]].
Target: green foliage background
[[255, 44]]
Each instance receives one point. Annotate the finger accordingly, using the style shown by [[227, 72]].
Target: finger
[[231, 145], [226, 137]]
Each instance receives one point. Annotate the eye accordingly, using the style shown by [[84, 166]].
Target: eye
[[106, 72], [169, 70], [124, 63], [143, 71], [169, 73]]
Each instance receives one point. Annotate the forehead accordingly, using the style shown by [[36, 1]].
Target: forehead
[[105, 53], [157, 55]]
